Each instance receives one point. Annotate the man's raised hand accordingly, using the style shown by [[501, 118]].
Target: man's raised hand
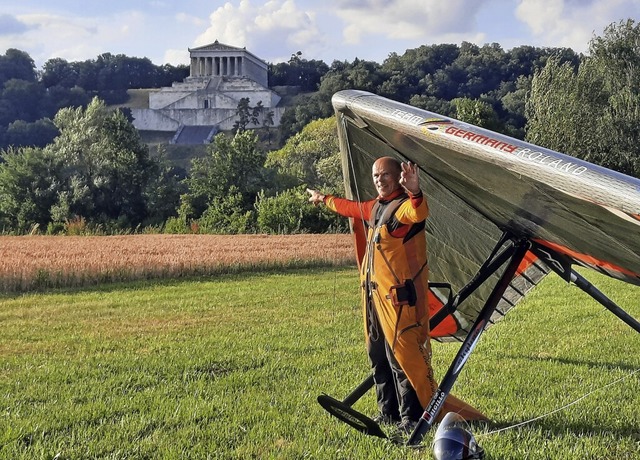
[[409, 178]]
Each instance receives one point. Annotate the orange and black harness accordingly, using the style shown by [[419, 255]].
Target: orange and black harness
[[402, 292]]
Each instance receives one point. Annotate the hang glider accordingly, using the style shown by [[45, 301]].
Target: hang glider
[[503, 214]]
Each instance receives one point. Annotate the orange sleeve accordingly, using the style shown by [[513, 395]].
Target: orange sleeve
[[416, 200], [349, 208], [413, 210]]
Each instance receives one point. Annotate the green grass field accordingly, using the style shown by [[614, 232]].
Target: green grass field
[[230, 367]]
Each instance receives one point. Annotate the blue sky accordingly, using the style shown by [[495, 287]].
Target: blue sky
[[163, 30]]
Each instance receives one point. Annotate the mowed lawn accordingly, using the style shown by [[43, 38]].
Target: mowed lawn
[[229, 367]]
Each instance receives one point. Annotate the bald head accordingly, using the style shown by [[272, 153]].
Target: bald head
[[388, 163], [386, 175]]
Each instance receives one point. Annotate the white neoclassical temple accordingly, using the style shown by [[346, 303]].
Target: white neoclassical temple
[[220, 75], [219, 60]]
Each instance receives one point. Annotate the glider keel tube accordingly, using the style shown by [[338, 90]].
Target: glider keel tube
[[519, 250]]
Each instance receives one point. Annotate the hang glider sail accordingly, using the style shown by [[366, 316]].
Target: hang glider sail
[[503, 214], [480, 184]]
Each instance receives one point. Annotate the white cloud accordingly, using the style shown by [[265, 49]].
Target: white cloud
[[572, 23], [190, 20], [262, 27], [10, 25], [408, 19], [64, 36], [540, 15], [275, 29], [175, 57], [78, 38]]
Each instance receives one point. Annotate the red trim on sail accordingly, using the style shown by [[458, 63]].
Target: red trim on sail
[[585, 258], [529, 259]]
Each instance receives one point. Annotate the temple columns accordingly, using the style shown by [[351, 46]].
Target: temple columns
[[228, 66]]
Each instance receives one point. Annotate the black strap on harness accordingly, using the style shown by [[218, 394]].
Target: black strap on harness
[[404, 291]]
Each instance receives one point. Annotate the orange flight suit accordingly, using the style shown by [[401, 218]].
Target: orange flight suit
[[394, 281]]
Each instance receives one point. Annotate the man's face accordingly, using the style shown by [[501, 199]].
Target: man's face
[[386, 177]]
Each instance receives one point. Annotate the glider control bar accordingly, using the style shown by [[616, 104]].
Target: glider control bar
[[519, 249]]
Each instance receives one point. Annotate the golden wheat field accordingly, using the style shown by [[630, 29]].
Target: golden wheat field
[[36, 262]]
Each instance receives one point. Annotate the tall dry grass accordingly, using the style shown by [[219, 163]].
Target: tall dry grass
[[39, 262]]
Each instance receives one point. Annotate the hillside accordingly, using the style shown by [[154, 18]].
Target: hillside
[[181, 155]]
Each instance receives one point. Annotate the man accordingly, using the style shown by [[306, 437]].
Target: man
[[394, 281]]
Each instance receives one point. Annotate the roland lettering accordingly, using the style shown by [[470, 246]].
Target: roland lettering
[[534, 155], [551, 161], [567, 167], [544, 159]]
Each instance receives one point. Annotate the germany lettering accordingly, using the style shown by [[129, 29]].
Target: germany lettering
[[481, 139], [533, 156]]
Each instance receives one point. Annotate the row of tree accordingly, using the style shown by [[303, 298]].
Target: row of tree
[[29, 98], [592, 111], [433, 77], [429, 77], [97, 170]]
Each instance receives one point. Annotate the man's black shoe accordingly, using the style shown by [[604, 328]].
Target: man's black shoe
[[385, 419], [407, 426]]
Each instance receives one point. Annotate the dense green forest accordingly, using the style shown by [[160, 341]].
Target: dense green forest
[[71, 164]]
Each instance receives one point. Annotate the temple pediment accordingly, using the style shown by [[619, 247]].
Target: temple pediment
[[217, 46]]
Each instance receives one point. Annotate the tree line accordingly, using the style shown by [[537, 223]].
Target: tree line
[[439, 78], [432, 77], [30, 98], [96, 175]]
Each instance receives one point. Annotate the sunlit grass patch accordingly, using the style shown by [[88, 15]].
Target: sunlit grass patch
[[229, 367]]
